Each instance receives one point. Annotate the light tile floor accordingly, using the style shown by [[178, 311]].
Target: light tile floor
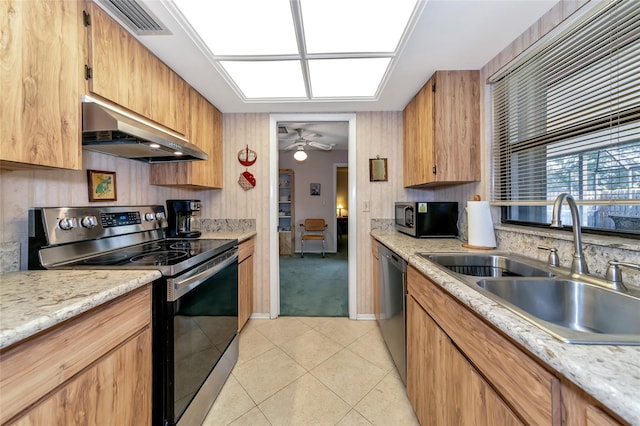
[[312, 371]]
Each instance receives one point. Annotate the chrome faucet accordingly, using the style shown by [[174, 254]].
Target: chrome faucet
[[579, 265]]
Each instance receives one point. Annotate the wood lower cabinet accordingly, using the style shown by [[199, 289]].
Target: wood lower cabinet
[[442, 131], [205, 131], [375, 277], [41, 80], [83, 399], [127, 73], [93, 369], [245, 281], [461, 370], [443, 387], [526, 387], [580, 409]]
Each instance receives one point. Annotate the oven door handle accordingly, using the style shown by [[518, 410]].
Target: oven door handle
[[177, 288]]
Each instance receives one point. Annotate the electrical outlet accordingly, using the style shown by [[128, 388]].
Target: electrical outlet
[[366, 206]]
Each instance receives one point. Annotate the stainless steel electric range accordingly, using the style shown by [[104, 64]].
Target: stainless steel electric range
[[195, 303]]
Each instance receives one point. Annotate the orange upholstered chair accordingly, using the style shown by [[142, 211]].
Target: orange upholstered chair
[[312, 229]]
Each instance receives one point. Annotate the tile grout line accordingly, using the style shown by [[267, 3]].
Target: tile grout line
[[317, 327]]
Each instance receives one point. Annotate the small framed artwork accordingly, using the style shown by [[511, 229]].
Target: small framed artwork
[[102, 185], [377, 169], [315, 189]]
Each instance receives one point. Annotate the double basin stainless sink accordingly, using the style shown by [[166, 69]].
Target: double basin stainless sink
[[571, 310]]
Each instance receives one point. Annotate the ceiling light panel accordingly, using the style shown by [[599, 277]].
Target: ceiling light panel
[[267, 79], [349, 26], [281, 50], [247, 27], [335, 78]]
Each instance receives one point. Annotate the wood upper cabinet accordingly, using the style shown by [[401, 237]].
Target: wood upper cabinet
[[245, 281], [442, 131], [205, 131], [41, 79], [125, 72], [92, 369], [443, 387]]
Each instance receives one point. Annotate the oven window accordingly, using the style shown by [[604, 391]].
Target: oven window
[[205, 321]]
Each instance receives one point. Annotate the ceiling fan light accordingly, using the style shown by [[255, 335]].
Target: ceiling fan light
[[300, 155]]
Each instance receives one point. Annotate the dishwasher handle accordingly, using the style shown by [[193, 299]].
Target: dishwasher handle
[[392, 258]]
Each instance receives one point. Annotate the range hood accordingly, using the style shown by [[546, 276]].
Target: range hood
[[111, 130]]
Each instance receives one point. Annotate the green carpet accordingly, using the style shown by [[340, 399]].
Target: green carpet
[[314, 286]]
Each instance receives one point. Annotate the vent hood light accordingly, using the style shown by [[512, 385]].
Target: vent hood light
[[108, 129]]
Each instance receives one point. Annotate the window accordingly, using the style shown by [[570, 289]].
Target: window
[[566, 118]]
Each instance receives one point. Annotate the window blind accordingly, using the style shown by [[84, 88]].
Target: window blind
[[566, 118]]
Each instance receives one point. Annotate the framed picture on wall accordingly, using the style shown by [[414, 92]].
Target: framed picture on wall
[[315, 189], [102, 185]]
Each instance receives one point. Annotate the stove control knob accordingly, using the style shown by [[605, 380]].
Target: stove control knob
[[149, 217], [89, 222], [66, 223], [160, 215]]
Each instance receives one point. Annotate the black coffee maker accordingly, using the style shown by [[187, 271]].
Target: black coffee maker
[[182, 217]]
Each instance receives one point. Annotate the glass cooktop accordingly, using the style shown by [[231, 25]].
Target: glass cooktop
[[174, 253]]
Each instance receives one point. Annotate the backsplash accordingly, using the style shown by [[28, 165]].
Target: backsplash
[[597, 250], [9, 256], [227, 225], [384, 225], [23, 189]]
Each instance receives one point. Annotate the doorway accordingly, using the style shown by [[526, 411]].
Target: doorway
[[274, 278]]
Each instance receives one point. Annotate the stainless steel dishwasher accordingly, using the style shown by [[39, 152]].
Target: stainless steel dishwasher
[[392, 299]]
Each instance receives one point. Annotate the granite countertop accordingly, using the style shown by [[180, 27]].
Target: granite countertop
[[32, 301], [611, 374], [239, 235]]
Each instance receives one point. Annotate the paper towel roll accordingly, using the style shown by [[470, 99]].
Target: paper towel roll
[[480, 224]]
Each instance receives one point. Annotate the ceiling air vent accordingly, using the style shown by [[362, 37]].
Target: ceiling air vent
[[134, 16], [282, 130]]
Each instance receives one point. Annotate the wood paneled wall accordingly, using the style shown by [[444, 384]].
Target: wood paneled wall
[[378, 133], [22, 189], [233, 202]]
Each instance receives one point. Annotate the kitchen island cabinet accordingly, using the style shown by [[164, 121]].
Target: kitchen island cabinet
[[93, 368], [41, 74], [121, 70], [441, 126], [205, 131]]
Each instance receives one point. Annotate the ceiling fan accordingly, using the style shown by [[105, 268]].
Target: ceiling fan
[[301, 142]]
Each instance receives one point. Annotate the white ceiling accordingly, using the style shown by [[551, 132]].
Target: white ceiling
[[449, 35]]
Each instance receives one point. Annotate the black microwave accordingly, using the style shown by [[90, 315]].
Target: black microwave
[[427, 219]]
